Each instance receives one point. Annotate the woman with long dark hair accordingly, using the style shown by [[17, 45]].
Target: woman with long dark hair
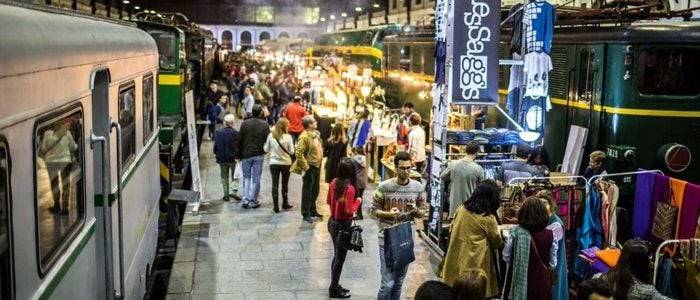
[[335, 149], [474, 235], [343, 204], [630, 277], [531, 254]]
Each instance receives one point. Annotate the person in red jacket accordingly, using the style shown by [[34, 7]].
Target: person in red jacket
[[344, 203], [294, 113]]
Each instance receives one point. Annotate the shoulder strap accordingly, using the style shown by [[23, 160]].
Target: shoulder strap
[[282, 147], [537, 253]]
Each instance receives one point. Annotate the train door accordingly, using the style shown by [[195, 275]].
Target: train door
[[6, 258], [584, 108], [102, 183]]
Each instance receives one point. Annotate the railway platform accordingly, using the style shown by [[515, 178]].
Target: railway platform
[[227, 252]]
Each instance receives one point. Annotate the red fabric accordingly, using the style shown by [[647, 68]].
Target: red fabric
[[345, 210], [294, 113]]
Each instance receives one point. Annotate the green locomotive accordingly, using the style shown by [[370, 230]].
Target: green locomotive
[[631, 85], [360, 47]]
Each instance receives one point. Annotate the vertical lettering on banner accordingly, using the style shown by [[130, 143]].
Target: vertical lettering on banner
[[475, 47]]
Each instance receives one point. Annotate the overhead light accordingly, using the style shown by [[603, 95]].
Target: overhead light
[[376, 5], [137, 7], [125, 1], [323, 19], [159, 15], [358, 9], [332, 17], [343, 15]]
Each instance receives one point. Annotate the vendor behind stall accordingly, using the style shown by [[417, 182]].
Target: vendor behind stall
[[518, 167], [463, 175]]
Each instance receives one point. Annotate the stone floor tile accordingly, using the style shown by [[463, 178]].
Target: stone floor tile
[[234, 296], [185, 296], [270, 295], [181, 277]]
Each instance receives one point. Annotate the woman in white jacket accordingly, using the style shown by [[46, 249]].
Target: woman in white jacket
[[281, 148]]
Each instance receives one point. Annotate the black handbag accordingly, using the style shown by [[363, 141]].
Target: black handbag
[[398, 246], [350, 239]]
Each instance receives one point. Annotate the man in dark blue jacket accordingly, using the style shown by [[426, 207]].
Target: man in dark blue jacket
[[225, 146]]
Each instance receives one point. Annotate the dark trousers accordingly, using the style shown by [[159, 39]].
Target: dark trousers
[[309, 191], [339, 254], [60, 189], [275, 172], [360, 193]]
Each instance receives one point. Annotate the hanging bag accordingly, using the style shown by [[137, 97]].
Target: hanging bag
[[509, 210], [398, 246], [350, 239], [665, 219]]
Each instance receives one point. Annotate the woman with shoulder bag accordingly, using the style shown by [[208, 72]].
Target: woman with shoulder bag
[[281, 148], [343, 204]]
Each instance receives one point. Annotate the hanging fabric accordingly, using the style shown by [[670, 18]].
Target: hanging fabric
[[538, 20], [590, 233], [642, 211], [689, 211], [516, 35], [440, 58]]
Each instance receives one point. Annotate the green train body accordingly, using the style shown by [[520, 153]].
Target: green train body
[[632, 86], [172, 73], [360, 47]]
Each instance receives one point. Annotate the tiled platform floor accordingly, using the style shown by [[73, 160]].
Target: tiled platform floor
[[226, 252]]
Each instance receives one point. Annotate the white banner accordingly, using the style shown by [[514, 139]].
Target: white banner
[[192, 142]]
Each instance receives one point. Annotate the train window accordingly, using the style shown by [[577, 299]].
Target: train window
[[147, 111], [127, 111], [5, 228], [429, 61], [394, 58], [668, 72], [405, 58], [59, 176], [167, 48], [417, 60], [586, 77], [394, 4]]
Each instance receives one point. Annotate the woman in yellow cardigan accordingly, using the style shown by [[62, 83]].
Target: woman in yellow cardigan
[[474, 236]]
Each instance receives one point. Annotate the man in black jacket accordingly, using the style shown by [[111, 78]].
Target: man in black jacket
[[253, 135], [225, 145]]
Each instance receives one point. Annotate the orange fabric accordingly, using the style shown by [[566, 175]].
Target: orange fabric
[[609, 256], [678, 188]]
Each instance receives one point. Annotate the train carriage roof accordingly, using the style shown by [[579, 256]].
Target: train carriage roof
[[40, 40]]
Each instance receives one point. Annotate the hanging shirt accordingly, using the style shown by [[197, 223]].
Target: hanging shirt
[[538, 20], [537, 66], [516, 36], [440, 58]]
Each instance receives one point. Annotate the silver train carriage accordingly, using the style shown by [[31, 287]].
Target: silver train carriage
[[77, 220]]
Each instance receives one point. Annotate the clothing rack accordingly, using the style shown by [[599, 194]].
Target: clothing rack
[[657, 255], [589, 181], [552, 177]]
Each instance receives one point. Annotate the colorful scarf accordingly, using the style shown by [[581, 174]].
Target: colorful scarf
[[521, 258]]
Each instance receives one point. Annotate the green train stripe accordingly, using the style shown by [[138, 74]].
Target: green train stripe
[[73, 256], [622, 110]]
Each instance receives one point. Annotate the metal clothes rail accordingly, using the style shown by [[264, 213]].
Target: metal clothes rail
[[591, 180], [510, 182]]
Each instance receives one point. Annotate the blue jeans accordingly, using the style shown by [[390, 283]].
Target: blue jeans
[[252, 170], [392, 280]]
